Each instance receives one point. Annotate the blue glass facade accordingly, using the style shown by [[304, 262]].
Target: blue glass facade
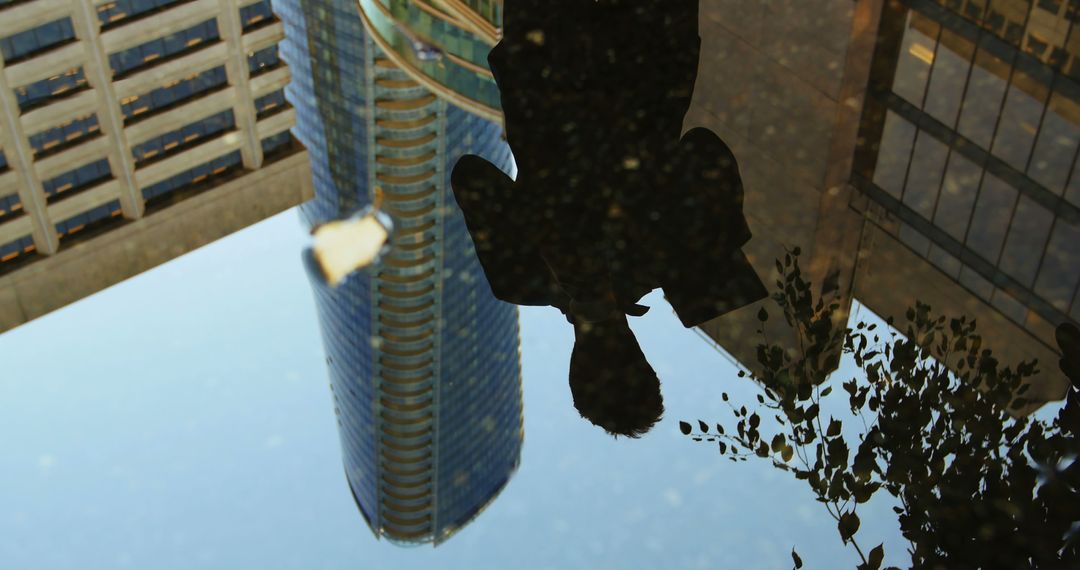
[[52, 88], [25, 44], [424, 361]]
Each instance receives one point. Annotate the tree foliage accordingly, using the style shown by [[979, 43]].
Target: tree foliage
[[933, 422]]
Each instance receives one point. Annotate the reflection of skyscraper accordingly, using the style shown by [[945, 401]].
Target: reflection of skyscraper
[[424, 362], [942, 168]]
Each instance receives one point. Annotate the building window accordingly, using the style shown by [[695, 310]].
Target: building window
[[16, 248], [1026, 241], [77, 179], [274, 143], [152, 52], [897, 139], [990, 220], [194, 177], [256, 15], [88, 219], [270, 104], [1019, 120], [181, 139], [43, 92], [120, 12], [957, 199], [58, 138], [263, 60], [27, 44], [1060, 271], [173, 94], [10, 206]]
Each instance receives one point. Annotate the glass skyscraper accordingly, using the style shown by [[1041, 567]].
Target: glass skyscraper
[[424, 361]]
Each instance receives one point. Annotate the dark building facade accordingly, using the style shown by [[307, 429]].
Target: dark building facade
[[916, 150], [970, 134], [424, 362]]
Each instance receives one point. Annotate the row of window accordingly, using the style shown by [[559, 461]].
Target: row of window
[[117, 12], [270, 103], [172, 94], [51, 141], [144, 55], [17, 248], [10, 205], [1041, 28], [77, 179], [28, 43], [255, 15], [88, 219], [185, 137], [1028, 118], [44, 91], [97, 171], [1056, 283], [197, 175]]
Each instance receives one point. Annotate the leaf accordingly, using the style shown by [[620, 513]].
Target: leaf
[[796, 559], [754, 420], [826, 391], [777, 443], [720, 429], [685, 428], [863, 492], [704, 426], [848, 525], [787, 453], [834, 428], [762, 315], [873, 561], [723, 448]]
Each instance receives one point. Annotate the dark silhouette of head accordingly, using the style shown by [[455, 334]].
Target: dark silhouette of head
[[612, 383]]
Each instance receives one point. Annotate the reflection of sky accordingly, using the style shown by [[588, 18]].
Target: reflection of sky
[[182, 419]]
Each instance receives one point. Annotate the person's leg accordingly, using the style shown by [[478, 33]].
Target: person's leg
[[503, 233]]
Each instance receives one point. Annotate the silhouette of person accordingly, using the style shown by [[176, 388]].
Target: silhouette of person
[[610, 202]]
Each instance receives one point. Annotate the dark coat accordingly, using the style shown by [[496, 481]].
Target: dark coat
[[608, 198]]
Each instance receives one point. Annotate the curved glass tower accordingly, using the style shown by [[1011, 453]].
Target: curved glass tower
[[424, 361]]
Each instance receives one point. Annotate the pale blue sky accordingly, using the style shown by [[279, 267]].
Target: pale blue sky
[[182, 419]]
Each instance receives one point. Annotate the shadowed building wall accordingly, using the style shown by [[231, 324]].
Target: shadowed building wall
[[424, 362]]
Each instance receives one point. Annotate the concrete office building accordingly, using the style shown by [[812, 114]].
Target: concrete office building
[[131, 132], [424, 362], [914, 150]]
